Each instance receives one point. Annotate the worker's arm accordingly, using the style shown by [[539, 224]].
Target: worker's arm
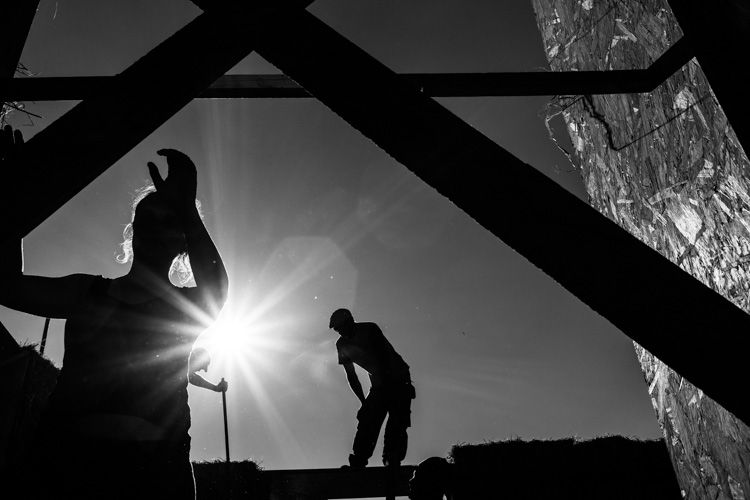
[[198, 381], [354, 384], [37, 295], [42, 296]]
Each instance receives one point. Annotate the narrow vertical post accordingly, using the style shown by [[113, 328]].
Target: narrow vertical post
[[390, 483], [44, 336], [226, 428]]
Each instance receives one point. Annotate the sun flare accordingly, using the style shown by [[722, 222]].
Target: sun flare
[[229, 338]]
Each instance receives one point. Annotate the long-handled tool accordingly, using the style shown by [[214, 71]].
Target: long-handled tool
[[226, 428]]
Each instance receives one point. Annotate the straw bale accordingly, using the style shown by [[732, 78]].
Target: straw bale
[[613, 467]]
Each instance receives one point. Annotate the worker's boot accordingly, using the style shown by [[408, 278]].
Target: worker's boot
[[355, 461]]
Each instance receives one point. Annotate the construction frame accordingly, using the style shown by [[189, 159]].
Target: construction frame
[[398, 114]]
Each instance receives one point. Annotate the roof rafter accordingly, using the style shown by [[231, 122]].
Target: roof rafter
[[431, 84]]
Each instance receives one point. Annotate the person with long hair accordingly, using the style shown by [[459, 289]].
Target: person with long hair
[[117, 421]]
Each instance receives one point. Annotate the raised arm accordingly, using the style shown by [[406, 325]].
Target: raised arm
[[179, 189]]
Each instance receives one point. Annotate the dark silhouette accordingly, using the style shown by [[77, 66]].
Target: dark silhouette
[[200, 360], [432, 480], [118, 419], [391, 389]]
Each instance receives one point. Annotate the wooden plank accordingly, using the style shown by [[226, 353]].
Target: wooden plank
[[675, 57], [434, 85], [319, 484], [431, 84], [63, 158], [648, 298]]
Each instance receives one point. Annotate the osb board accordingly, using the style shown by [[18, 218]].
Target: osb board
[[708, 446], [667, 167]]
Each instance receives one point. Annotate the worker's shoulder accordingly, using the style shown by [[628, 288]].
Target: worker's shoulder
[[369, 328]]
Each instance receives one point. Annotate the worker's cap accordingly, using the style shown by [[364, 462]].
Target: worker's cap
[[339, 317]]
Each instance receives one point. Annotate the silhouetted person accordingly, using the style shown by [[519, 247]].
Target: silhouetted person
[[118, 419], [200, 360], [432, 480], [391, 389]]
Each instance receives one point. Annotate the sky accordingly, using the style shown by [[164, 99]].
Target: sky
[[310, 216]]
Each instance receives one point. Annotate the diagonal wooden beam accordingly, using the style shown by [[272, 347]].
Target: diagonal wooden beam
[[17, 16], [63, 158], [681, 321], [431, 84]]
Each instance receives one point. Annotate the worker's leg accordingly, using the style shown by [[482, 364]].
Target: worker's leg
[[370, 418], [399, 420]]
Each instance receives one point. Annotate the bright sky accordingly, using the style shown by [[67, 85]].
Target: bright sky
[[311, 216]]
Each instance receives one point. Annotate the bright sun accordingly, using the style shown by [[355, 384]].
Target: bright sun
[[229, 338], [240, 344], [232, 341]]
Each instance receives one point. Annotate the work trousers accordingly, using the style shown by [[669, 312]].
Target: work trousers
[[393, 401]]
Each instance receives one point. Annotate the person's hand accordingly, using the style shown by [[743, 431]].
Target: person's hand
[[222, 386], [10, 140], [180, 187]]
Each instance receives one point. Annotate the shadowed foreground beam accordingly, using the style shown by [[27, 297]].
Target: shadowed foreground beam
[[431, 84], [687, 325], [17, 16], [370, 482], [72, 151]]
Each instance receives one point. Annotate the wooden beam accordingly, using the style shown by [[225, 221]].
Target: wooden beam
[[676, 56], [431, 84], [325, 484], [17, 16], [717, 34], [681, 321], [63, 158]]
